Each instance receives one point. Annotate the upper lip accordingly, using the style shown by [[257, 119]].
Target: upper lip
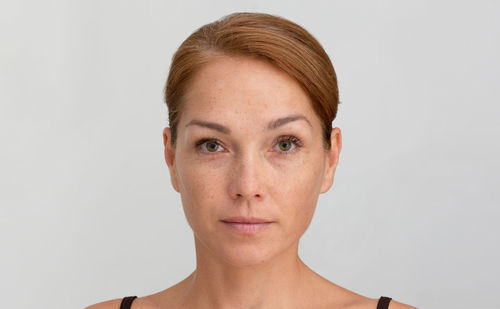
[[245, 220]]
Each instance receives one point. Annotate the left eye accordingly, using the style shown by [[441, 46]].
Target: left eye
[[287, 144]]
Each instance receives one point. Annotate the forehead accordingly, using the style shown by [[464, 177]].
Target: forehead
[[238, 87]]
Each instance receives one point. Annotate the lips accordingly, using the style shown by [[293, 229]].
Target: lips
[[245, 220], [246, 225], [247, 228]]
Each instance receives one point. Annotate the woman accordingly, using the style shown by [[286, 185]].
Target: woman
[[250, 147]]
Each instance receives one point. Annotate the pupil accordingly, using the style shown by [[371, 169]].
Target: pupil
[[285, 145], [212, 146]]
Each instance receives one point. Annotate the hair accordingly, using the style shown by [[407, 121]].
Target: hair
[[271, 38]]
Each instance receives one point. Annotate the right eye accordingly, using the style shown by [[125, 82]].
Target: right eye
[[209, 145]]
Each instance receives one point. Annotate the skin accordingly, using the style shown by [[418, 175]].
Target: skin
[[249, 168]]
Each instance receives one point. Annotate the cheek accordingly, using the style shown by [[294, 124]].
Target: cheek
[[298, 191], [300, 178], [200, 186]]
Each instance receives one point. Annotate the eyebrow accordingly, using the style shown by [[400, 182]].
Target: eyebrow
[[274, 124]]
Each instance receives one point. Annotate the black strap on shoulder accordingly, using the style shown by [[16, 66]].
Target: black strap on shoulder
[[127, 302], [383, 302]]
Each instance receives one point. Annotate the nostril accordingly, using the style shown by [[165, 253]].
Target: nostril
[[239, 195]]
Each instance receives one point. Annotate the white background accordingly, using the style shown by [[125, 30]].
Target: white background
[[87, 210]]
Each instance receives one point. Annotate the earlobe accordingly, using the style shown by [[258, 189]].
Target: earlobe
[[170, 158], [332, 159]]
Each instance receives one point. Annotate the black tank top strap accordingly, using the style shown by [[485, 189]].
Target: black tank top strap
[[127, 302], [383, 302]]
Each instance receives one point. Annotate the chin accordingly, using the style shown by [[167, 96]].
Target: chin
[[238, 252], [245, 256]]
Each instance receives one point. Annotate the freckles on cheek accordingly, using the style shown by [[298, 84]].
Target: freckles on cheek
[[300, 184], [302, 174], [200, 185], [196, 196]]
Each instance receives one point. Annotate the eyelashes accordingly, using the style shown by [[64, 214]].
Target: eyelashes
[[285, 145], [202, 144], [292, 141]]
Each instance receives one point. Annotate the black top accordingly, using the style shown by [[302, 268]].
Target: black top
[[127, 302], [383, 302]]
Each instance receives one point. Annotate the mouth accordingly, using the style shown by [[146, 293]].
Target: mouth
[[246, 225], [247, 228], [249, 220]]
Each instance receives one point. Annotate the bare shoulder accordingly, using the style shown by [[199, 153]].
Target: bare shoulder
[[163, 299], [339, 297], [362, 302], [139, 303], [397, 305]]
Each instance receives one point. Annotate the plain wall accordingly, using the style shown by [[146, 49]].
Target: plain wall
[[87, 209]]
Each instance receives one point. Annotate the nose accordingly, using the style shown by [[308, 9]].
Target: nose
[[247, 178]]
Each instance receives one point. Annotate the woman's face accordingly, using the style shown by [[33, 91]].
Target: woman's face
[[249, 145]]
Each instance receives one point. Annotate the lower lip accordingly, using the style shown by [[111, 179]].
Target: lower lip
[[247, 228]]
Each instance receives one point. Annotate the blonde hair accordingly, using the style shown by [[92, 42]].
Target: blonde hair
[[274, 39]]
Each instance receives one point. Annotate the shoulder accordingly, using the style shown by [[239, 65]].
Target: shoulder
[[361, 302], [340, 297], [335, 296], [162, 299], [139, 303], [397, 305]]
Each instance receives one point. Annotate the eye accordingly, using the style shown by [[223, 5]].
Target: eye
[[287, 144], [209, 145]]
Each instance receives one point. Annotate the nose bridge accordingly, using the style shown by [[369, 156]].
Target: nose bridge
[[247, 175]]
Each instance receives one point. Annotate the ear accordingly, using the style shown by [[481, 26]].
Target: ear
[[170, 158], [331, 159]]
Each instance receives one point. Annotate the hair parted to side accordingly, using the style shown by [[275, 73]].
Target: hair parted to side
[[274, 39]]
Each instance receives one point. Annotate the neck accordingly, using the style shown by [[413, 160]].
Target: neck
[[218, 283]]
